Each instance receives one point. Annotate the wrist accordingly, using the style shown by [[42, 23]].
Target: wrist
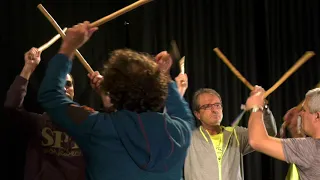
[[257, 108], [29, 68], [67, 50], [27, 71]]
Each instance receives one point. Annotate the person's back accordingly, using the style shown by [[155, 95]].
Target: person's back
[[135, 142], [133, 149]]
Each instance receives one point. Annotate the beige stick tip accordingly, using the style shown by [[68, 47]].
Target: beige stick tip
[[310, 52]]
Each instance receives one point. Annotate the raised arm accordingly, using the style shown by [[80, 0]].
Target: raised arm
[[77, 120], [182, 83], [29, 121], [18, 89], [175, 104], [95, 81], [258, 136]]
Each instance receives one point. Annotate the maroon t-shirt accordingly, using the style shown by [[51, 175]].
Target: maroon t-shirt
[[51, 153]]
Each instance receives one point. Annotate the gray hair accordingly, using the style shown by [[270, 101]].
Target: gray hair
[[314, 100], [195, 104]]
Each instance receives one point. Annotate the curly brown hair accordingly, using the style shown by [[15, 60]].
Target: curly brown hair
[[134, 82]]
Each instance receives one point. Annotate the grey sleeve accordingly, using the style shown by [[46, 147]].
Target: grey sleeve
[[300, 151], [243, 137], [269, 122], [270, 125]]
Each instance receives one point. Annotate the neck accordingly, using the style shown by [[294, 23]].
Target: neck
[[316, 135], [212, 130]]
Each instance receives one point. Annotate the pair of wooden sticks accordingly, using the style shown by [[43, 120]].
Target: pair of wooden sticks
[[94, 24], [306, 56]]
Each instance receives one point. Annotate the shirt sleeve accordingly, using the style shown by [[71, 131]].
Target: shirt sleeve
[[300, 151], [78, 121]]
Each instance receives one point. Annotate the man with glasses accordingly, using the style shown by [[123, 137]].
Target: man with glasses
[[216, 152]]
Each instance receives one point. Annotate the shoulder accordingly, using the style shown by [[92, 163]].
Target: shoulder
[[237, 129], [79, 113]]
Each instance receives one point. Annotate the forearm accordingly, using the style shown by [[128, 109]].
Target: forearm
[[62, 110], [51, 92], [106, 101], [16, 92], [182, 91], [256, 129], [259, 139], [177, 106], [26, 72], [67, 51]]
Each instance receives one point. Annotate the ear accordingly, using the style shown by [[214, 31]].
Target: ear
[[318, 115], [197, 114]]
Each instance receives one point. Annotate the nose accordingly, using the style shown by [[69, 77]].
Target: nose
[[65, 89], [214, 110]]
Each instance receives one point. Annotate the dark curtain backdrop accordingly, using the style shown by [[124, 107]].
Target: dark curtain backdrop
[[262, 39]]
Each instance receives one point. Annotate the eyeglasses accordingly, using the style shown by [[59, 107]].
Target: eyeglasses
[[68, 84], [210, 106]]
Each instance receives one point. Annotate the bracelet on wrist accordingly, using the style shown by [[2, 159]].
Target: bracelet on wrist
[[257, 109]]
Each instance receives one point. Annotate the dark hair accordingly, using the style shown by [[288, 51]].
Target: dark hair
[[134, 81], [195, 103]]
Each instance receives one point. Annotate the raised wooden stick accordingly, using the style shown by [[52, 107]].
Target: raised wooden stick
[[301, 61], [62, 34], [49, 43], [232, 68], [181, 63], [119, 13]]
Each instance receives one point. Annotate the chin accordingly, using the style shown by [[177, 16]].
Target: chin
[[216, 123]]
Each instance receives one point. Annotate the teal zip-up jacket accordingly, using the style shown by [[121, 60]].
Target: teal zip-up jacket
[[124, 144]]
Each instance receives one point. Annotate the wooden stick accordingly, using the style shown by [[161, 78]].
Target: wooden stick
[[49, 43], [301, 61], [181, 63], [232, 68], [119, 13], [62, 34]]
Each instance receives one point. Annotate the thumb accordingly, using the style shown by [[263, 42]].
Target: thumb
[[90, 76], [92, 30], [38, 54]]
